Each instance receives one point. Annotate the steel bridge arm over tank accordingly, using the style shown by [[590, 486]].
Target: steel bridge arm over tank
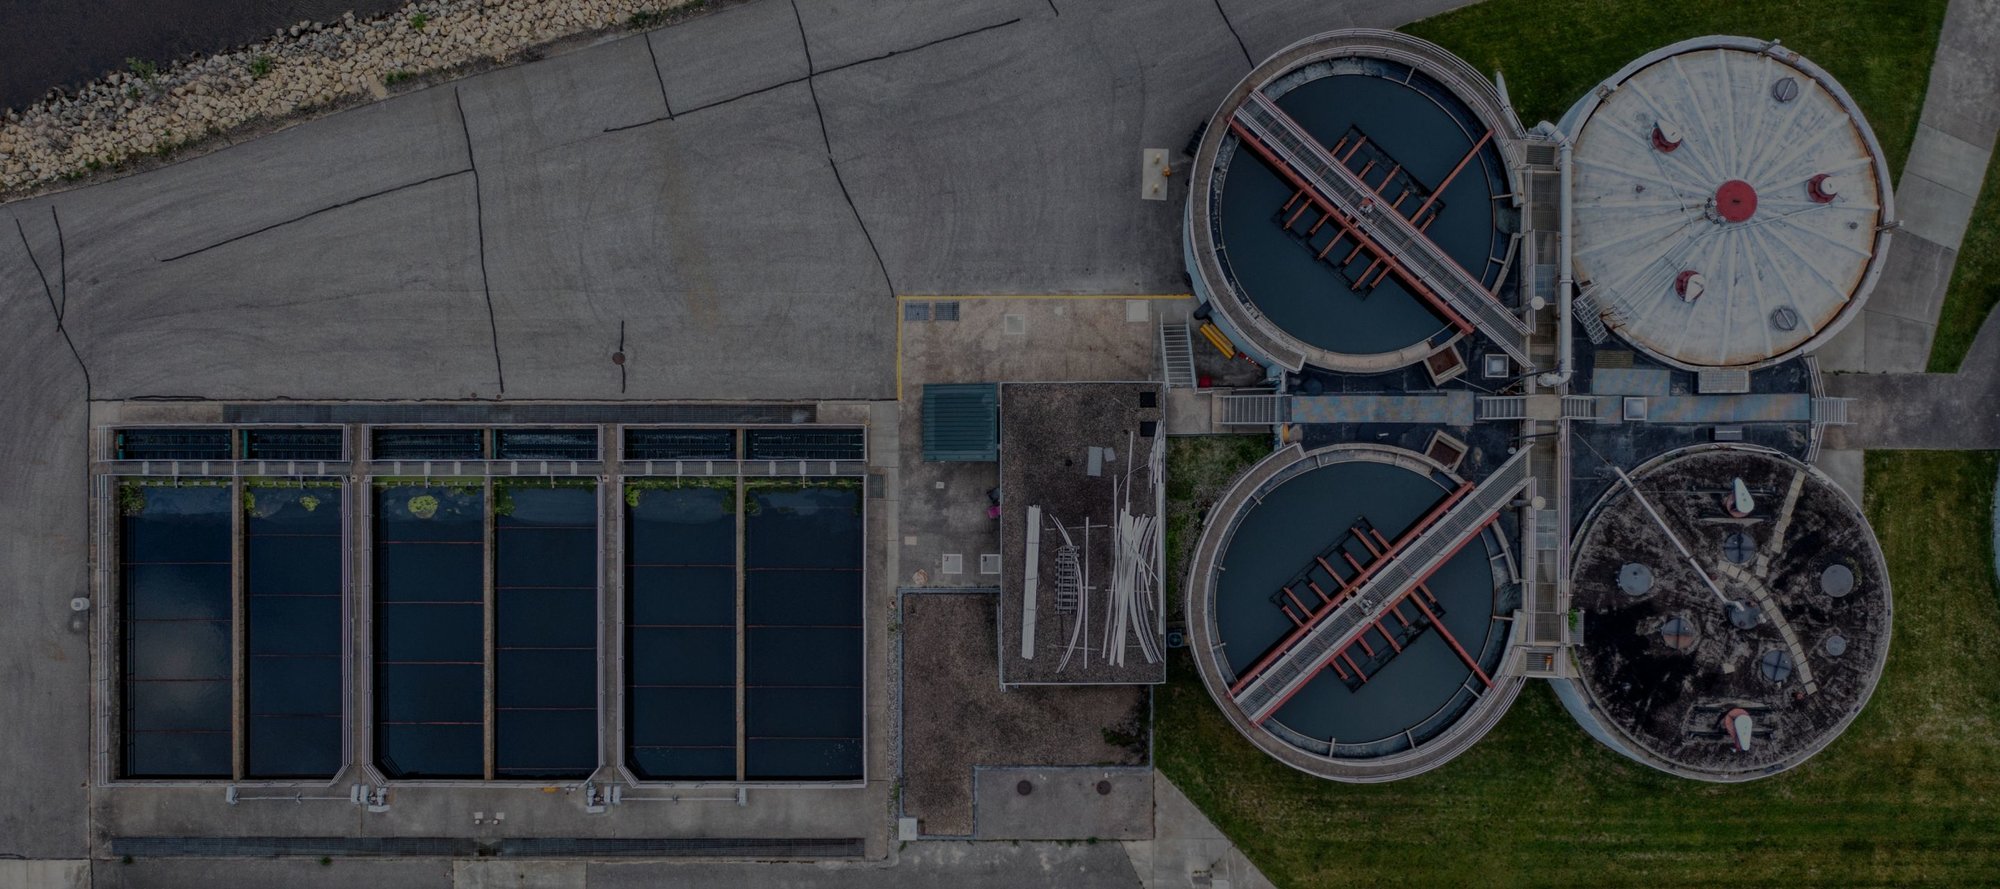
[[1267, 685]]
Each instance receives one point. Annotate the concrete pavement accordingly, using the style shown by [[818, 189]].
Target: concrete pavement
[[1940, 182], [720, 214]]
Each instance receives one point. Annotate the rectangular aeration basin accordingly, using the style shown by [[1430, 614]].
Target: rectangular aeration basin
[[545, 558], [430, 622], [680, 628], [174, 565], [292, 571], [803, 640]]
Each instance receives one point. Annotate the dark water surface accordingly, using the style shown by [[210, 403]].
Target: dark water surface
[[804, 646], [175, 571], [1310, 298], [681, 633], [292, 588], [1295, 522], [545, 631], [430, 625]]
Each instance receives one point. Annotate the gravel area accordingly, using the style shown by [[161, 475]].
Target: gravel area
[[955, 716]]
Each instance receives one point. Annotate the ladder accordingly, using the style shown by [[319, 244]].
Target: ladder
[[1584, 307], [1256, 410], [1177, 354], [1501, 407]]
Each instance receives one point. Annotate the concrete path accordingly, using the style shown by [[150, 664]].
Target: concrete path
[[1900, 406], [1934, 200], [1187, 848]]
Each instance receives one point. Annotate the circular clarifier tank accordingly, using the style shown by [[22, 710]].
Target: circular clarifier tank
[[1282, 548], [1752, 655], [1304, 272], [1739, 164]]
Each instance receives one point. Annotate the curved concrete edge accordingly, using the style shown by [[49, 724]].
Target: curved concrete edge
[[1580, 112], [1255, 332], [1220, 526], [1614, 736]]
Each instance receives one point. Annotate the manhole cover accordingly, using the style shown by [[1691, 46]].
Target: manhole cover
[[618, 358], [1738, 547], [1635, 579], [1837, 580], [1775, 665], [1024, 788], [1835, 645], [1677, 633], [1103, 788]]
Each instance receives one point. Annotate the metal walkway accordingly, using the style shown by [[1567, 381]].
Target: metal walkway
[[1413, 256], [1272, 681]]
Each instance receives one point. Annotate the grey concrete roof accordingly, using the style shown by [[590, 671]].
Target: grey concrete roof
[[1783, 271]]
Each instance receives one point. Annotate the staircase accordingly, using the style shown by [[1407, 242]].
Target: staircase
[[1177, 354]]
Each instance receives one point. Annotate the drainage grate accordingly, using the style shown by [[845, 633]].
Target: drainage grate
[[293, 444], [488, 412], [916, 311], [680, 444], [428, 444], [463, 847], [807, 444], [680, 847], [268, 847], [546, 444], [171, 444], [945, 312]]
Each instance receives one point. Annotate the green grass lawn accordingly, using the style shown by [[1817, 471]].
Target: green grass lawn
[[1975, 281], [1552, 51], [1910, 794]]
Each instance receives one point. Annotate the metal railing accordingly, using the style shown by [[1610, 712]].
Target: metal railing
[[1294, 668], [1450, 281]]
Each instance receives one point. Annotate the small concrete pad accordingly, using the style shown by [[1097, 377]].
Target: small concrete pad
[[1964, 78], [517, 875], [1153, 174], [1933, 210], [1948, 161], [1064, 804], [45, 874], [1186, 846], [1846, 469], [1898, 345]]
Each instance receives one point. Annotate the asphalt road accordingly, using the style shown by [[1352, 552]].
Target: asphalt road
[[66, 43]]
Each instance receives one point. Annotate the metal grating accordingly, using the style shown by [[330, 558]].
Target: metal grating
[[172, 443], [680, 847], [465, 847], [293, 444], [507, 414], [266, 847], [680, 444], [546, 444], [944, 312], [428, 444], [914, 311], [808, 444], [962, 422]]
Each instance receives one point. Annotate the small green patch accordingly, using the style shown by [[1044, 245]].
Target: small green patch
[[418, 21], [645, 19], [423, 506], [131, 499], [250, 502], [260, 67], [398, 76], [309, 502], [143, 69]]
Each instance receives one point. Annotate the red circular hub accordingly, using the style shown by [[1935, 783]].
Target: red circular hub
[[1735, 201]]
